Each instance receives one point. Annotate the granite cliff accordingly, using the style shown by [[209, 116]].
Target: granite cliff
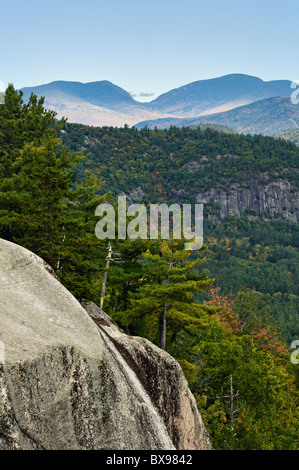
[[276, 199], [70, 379]]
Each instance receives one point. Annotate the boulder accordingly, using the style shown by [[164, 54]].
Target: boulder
[[70, 381]]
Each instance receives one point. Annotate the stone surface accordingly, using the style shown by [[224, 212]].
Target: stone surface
[[276, 198], [67, 382]]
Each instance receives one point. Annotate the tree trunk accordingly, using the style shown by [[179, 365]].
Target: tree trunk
[[163, 327], [108, 259], [231, 403]]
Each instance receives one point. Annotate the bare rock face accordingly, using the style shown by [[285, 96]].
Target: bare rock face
[[68, 381], [276, 199]]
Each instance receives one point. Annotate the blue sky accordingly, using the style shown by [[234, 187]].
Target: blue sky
[[147, 47]]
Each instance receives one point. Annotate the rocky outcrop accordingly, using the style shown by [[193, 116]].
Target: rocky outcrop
[[68, 381], [276, 199], [135, 195]]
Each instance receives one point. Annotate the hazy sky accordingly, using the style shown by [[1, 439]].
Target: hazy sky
[[147, 47]]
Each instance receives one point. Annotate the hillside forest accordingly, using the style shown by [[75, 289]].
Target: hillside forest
[[228, 312]]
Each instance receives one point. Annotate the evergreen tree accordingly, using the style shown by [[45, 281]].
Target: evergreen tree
[[42, 207], [39, 189], [22, 124], [126, 276], [81, 253], [167, 296]]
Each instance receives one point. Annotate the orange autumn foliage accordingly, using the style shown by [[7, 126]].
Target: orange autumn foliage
[[264, 336]]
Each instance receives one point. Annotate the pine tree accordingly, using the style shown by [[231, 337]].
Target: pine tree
[[81, 253], [39, 189], [42, 207], [126, 277], [167, 296], [20, 124]]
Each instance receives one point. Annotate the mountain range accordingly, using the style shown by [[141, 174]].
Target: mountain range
[[270, 116], [243, 102], [217, 95], [96, 103]]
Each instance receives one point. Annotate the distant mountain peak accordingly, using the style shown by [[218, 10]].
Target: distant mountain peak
[[104, 103]]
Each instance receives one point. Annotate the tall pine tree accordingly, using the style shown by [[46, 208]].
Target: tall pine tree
[[42, 207], [166, 299]]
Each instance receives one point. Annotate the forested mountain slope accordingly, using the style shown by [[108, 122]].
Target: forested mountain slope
[[231, 174], [249, 183], [220, 323], [292, 136]]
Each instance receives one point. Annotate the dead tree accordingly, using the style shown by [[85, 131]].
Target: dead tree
[[109, 259]]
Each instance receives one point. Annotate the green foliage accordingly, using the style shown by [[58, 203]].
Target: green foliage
[[125, 277], [265, 398], [215, 127], [292, 136], [166, 292], [262, 256], [157, 160], [81, 254], [230, 351], [19, 125], [41, 206], [243, 383]]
